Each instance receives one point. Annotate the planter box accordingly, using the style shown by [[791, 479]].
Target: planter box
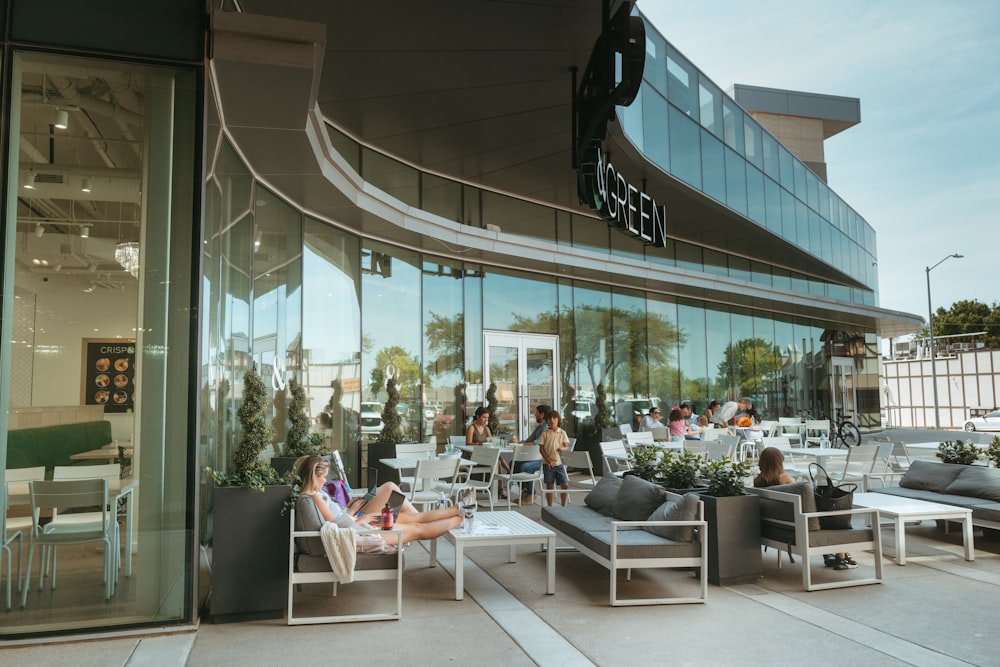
[[249, 553], [733, 539]]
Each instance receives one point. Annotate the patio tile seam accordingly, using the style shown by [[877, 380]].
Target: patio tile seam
[[853, 631], [540, 642]]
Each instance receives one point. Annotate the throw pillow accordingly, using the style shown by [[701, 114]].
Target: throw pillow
[[685, 509], [637, 499], [804, 489], [930, 476], [977, 482], [602, 498]]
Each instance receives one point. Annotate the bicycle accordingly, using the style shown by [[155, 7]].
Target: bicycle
[[844, 432]]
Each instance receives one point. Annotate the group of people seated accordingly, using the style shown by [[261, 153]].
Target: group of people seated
[[683, 424]]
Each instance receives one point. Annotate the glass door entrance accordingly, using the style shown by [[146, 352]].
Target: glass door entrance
[[524, 368]]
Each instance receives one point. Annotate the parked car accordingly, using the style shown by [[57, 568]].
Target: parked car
[[371, 418], [988, 422]]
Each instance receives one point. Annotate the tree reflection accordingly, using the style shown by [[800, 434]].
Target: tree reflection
[[748, 364]]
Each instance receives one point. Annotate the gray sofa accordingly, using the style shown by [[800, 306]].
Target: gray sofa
[[628, 523], [974, 487]]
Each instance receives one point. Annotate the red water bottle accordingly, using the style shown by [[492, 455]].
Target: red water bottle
[[387, 517]]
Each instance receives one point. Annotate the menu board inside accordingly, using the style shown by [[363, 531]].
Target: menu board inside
[[109, 374]]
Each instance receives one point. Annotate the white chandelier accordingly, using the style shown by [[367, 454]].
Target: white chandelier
[[127, 254]]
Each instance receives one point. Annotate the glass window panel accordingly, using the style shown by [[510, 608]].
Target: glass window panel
[[736, 182], [772, 205], [782, 278], [755, 196], [662, 328], [768, 368], [564, 228], [664, 256], [739, 268], [331, 337], [802, 224], [349, 149], [655, 70], [444, 348], [788, 228], [812, 189], [760, 273], [694, 374], [85, 327], [682, 80], [710, 99], [630, 118], [717, 342], [771, 163], [591, 317], [391, 336], [626, 245], [713, 165], [591, 233], [441, 196], [630, 376], [569, 381], [715, 262], [799, 283], [471, 210], [799, 175], [689, 257], [752, 142], [655, 129], [685, 148], [510, 309], [741, 355], [515, 216], [786, 165], [732, 123], [473, 286], [391, 176]]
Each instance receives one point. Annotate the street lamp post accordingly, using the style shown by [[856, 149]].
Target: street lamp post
[[930, 333]]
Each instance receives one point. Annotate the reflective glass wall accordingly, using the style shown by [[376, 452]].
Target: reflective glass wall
[[102, 215]]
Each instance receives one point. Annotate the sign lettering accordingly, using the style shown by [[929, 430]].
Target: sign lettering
[[632, 210]]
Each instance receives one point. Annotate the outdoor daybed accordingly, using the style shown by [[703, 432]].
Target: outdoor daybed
[[630, 523], [974, 487]]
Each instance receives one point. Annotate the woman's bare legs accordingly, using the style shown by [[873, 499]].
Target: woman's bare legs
[[375, 505], [408, 514]]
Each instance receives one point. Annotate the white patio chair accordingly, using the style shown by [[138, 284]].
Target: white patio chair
[[579, 470], [521, 454], [615, 457], [815, 431], [484, 461], [793, 465], [412, 450], [859, 461], [12, 529], [625, 428], [900, 457], [723, 447], [769, 427], [434, 477], [641, 438]]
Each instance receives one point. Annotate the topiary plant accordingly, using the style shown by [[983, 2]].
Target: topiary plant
[[248, 469], [602, 418], [299, 441], [726, 478], [491, 406], [391, 432], [960, 452]]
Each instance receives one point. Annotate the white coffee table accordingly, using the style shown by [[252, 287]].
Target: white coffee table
[[901, 510], [508, 528]]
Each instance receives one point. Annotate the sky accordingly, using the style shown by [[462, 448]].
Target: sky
[[923, 166]]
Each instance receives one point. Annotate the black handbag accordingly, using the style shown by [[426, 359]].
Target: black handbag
[[830, 498]]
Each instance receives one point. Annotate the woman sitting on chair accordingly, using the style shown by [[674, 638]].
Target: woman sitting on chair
[[772, 469], [359, 515]]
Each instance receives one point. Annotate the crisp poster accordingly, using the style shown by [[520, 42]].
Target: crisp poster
[[109, 374]]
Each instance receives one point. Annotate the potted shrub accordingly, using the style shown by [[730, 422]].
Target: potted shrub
[[249, 529], [299, 441], [646, 463], [733, 518], [959, 451], [680, 472], [993, 451]]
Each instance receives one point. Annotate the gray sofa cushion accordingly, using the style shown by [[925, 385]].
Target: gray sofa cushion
[[683, 509], [576, 521], [978, 482], [803, 489], [602, 498], [930, 476], [932, 497], [637, 499], [307, 517], [990, 512], [640, 544]]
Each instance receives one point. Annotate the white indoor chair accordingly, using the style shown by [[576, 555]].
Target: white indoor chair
[[61, 497], [625, 428], [434, 478], [456, 440], [659, 433], [13, 528], [722, 448], [521, 454], [711, 433], [615, 457], [791, 427], [640, 438], [696, 447], [769, 427], [815, 430], [484, 465]]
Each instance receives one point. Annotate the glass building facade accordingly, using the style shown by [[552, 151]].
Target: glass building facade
[[275, 234]]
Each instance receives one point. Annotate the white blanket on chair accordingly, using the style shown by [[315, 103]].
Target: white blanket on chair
[[339, 544]]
